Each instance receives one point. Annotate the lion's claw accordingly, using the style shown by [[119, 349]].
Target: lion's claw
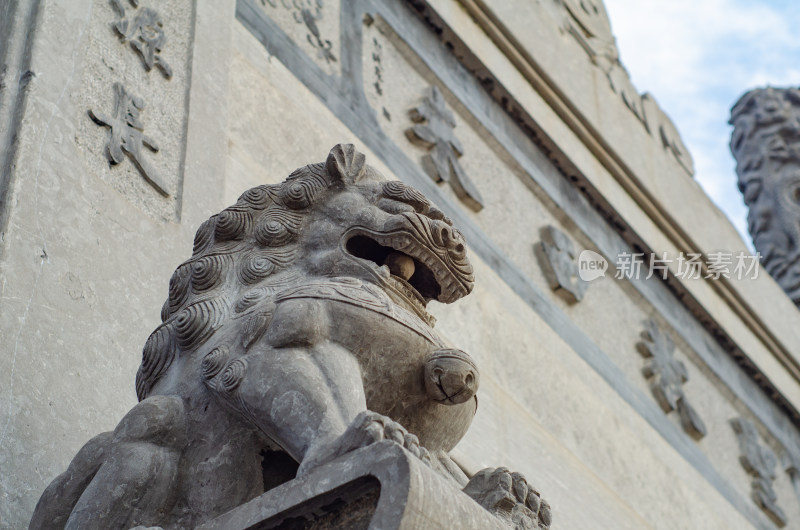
[[509, 496], [368, 428]]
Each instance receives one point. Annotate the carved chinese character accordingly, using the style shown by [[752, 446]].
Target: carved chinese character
[[144, 30], [587, 21], [323, 46], [126, 135], [308, 12], [445, 149], [660, 125], [559, 264], [667, 376], [376, 59], [759, 461]]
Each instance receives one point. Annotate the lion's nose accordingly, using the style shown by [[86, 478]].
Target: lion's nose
[[450, 238], [451, 377]]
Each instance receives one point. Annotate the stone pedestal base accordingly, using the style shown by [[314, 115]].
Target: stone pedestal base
[[381, 486]]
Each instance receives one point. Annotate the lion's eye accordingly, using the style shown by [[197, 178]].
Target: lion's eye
[[394, 207]]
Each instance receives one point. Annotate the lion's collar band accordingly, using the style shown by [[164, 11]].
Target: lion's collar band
[[365, 295]]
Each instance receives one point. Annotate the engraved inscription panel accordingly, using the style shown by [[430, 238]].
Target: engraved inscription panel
[[134, 104]]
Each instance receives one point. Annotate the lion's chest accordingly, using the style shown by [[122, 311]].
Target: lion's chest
[[391, 345]]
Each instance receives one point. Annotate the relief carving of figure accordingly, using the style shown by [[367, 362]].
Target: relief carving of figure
[[295, 333]]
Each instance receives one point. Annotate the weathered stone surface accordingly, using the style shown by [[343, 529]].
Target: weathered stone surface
[[766, 145], [302, 310], [145, 47], [77, 292]]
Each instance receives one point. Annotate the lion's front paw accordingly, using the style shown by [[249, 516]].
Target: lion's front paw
[[368, 428], [509, 496]]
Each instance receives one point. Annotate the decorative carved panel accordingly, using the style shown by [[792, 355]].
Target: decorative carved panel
[[559, 263], [667, 376], [135, 85], [759, 461], [434, 130], [313, 25]]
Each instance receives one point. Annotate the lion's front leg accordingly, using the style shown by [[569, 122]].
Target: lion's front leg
[[306, 393], [367, 428], [301, 397]]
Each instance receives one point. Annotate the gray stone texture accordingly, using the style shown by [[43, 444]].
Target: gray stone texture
[[544, 76], [767, 150]]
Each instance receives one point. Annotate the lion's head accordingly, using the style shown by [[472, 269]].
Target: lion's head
[[340, 218]]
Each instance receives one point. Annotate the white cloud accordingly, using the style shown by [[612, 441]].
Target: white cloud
[[698, 58]]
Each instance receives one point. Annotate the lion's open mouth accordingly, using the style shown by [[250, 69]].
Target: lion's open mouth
[[406, 265], [408, 271]]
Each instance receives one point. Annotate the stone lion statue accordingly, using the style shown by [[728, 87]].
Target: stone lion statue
[[295, 333]]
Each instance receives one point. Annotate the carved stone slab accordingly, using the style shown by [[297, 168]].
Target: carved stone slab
[[409, 495], [759, 461]]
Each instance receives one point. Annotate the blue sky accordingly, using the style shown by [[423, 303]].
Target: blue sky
[[697, 58]]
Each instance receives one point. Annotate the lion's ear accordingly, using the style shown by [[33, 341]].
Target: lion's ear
[[345, 163]]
